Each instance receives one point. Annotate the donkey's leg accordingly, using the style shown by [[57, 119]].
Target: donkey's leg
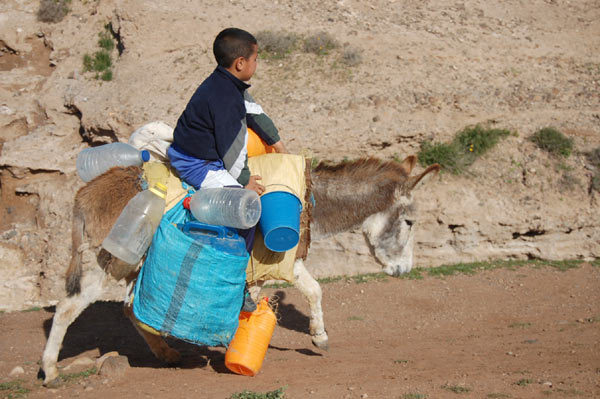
[[67, 310], [311, 290], [156, 343]]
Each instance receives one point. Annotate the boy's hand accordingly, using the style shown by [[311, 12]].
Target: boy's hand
[[280, 148], [253, 184]]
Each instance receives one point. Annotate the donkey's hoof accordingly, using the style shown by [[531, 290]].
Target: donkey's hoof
[[53, 383], [321, 341], [51, 377]]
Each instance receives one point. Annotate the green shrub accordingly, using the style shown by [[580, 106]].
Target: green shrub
[[276, 44], [53, 10], [447, 155], [478, 140], [553, 141], [320, 43], [463, 150]]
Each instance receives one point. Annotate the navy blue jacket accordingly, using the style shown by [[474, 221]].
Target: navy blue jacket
[[213, 124]]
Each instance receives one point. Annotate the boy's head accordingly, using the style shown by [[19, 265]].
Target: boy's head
[[236, 50]]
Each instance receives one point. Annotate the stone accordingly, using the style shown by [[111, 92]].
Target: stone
[[114, 367], [17, 371]]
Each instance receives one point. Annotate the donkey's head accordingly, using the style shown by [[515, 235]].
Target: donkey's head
[[373, 194], [390, 232]]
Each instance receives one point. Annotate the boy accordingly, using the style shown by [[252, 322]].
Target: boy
[[209, 146], [209, 140]]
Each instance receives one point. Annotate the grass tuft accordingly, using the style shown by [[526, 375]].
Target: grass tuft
[[78, 376], [106, 41], [553, 141], [414, 395], [101, 61], [276, 394]]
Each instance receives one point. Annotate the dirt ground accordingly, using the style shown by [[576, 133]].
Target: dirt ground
[[523, 333]]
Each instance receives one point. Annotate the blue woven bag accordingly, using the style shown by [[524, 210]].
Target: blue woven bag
[[188, 289]]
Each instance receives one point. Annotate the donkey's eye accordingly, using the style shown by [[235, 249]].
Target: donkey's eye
[[409, 222]]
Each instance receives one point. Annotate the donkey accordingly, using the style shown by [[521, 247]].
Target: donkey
[[370, 194]]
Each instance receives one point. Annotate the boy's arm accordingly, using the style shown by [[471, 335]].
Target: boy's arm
[[259, 121]]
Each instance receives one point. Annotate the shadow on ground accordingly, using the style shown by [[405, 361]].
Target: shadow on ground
[[104, 326]]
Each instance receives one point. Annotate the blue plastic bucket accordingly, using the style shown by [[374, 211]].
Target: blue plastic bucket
[[280, 220]]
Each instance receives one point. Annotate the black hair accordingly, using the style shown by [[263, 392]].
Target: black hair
[[232, 43]]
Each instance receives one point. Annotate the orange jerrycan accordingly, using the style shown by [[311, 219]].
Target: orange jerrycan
[[256, 145], [248, 347]]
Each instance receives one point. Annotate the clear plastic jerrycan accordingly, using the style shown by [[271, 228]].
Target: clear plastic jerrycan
[[225, 206], [132, 233], [92, 162]]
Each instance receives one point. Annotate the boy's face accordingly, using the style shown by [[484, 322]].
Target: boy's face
[[247, 66]]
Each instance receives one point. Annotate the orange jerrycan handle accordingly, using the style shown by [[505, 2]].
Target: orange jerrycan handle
[[248, 347]]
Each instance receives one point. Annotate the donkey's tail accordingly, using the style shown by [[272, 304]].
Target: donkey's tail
[[73, 277]]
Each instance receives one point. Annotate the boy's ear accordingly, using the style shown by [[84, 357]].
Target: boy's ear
[[238, 63]]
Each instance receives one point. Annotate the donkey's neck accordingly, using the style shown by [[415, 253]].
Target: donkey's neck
[[341, 205]]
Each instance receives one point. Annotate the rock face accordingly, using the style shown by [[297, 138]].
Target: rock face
[[427, 71]]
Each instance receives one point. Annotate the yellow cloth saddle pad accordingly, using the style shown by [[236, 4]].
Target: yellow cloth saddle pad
[[279, 172]]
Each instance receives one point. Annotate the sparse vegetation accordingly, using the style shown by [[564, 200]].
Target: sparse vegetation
[[456, 388], [351, 56], [520, 325], [523, 382], [53, 10], [13, 389], [276, 394], [413, 395], [418, 273], [101, 61], [320, 43], [276, 44], [553, 141], [498, 396], [593, 158], [463, 150], [33, 309], [78, 376]]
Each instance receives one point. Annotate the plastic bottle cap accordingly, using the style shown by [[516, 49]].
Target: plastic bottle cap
[[186, 202], [145, 155]]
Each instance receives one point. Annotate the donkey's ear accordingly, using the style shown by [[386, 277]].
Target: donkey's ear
[[408, 164], [413, 181]]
